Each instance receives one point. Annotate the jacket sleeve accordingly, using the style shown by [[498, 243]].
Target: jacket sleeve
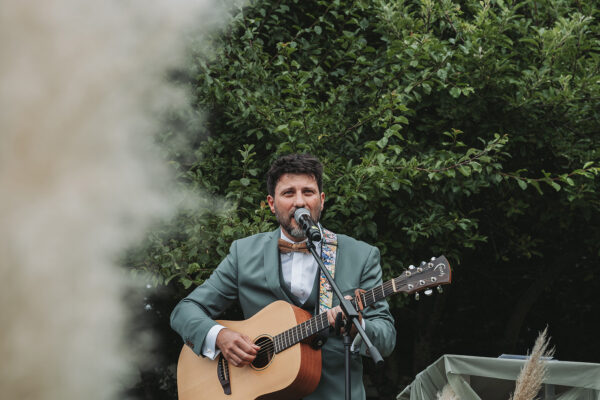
[[379, 324], [193, 316]]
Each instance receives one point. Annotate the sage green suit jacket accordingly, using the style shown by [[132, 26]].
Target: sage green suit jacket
[[250, 275]]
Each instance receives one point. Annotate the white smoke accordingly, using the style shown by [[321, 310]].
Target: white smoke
[[81, 84]]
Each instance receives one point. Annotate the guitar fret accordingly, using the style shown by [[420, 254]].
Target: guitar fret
[[292, 332], [281, 343]]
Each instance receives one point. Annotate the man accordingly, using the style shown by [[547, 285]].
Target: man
[[256, 273]]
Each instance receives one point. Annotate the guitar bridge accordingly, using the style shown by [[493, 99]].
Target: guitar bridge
[[223, 374]]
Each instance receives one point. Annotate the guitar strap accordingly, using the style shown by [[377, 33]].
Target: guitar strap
[[328, 254]]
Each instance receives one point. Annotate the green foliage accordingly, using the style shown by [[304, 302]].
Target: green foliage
[[440, 123]]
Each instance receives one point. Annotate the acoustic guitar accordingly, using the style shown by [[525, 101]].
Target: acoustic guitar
[[287, 366]]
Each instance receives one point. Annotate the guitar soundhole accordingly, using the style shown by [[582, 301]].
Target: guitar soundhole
[[265, 354]]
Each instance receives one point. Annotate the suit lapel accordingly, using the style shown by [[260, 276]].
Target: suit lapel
[[271, 267]]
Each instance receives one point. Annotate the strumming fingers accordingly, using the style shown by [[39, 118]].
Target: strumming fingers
[[243, 356], [233, 359]]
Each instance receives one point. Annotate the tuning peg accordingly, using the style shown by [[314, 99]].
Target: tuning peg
[[428, 292], [411, 267], [417, 296], [432, 258], [422, 263], [440, 290]]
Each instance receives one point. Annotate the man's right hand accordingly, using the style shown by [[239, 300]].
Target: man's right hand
[[238, 349]]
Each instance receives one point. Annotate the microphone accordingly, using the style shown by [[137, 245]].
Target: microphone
[[306, 223]]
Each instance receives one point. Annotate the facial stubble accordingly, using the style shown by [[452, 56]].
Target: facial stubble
[[286, 223]]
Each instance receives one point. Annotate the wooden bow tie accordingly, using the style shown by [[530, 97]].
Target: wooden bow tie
[[287, 247]]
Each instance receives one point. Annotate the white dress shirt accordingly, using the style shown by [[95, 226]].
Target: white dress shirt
[[299, 271]]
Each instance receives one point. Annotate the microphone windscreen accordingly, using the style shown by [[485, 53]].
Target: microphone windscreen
[[299, 213]]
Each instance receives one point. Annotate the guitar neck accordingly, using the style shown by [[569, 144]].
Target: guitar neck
[[300, 332], [434, 273], [320, 322]]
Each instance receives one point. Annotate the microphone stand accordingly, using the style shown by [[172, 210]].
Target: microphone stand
[[351, 315]]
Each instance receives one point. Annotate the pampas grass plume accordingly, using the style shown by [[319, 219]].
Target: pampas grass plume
[[529, 381], [447, 394]]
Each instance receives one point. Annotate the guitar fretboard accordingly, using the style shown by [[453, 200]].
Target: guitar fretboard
[[300, 332], [433, 273], [319, 322]]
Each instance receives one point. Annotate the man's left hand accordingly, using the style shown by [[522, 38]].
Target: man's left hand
[[333, 312]]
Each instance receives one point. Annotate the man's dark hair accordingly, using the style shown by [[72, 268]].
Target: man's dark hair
[[294, 164]]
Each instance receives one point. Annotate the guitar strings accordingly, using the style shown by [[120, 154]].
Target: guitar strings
[[282, 340], [289, 340]]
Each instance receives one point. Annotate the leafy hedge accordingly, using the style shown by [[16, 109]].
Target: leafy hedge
[[430, 117]]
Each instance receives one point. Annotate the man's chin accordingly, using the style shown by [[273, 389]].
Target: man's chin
[[296, 233]]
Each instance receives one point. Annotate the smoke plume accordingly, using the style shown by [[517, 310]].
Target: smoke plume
[[81, 84]]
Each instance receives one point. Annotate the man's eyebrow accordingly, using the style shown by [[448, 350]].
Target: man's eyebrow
[[292, 187]]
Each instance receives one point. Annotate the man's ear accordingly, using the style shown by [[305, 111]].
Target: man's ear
[[271, 202], [322, 200]]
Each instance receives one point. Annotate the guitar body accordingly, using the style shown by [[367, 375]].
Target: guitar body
[[290, 374]]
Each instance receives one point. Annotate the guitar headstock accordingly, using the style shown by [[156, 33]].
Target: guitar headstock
[[433, 273]]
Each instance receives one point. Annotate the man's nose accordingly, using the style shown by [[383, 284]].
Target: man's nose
[[299, 201]]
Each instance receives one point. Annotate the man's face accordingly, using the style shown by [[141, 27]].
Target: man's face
[[294, 191]]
